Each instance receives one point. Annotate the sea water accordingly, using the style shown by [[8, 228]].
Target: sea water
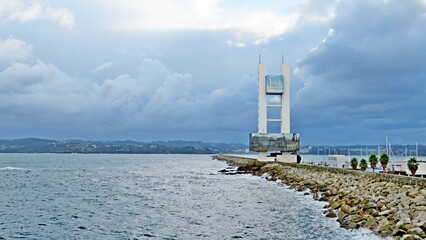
[[75, 196]]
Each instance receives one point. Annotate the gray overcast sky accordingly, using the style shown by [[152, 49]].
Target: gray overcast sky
[[187, 69]]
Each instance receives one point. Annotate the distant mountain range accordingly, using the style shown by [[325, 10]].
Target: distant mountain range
[[37, 145]]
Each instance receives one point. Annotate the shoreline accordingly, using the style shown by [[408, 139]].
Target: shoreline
[[389, 205]]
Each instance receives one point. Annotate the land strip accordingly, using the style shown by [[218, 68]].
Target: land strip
[[390, 205]]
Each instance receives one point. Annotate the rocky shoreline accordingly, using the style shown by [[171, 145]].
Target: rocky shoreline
[[388, 205]]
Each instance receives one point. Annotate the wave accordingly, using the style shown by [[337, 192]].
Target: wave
[[13, 169]]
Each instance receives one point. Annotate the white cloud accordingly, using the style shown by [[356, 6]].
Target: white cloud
[[102, 67], [248, 24], [14, 50], [25, 11], [263, 25], [235, 44]]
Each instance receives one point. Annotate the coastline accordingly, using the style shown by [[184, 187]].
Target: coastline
[[389, 205]]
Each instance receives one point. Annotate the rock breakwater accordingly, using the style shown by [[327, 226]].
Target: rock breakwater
[[389, 205]]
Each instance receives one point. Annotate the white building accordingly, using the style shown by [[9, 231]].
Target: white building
[[401, 166], [339, 161]]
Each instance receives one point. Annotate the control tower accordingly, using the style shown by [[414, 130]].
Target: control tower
[[274, 146]]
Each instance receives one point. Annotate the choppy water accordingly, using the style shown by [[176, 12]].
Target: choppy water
[[48, 196]]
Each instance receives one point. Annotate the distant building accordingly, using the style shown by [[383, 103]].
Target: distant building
[[339, 161], [401, 166]]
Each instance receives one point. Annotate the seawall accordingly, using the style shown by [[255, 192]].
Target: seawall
[[390, 205]]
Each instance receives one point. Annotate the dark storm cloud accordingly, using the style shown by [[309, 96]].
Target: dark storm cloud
[[369, 72]]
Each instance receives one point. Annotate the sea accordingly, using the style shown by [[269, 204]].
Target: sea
[[112, 196]]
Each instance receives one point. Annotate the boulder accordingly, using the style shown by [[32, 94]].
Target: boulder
[[345, 208], [423, 192], [386, 212], [385, 230], [368, 206], [413, 194], [374, 213], [405, 202], [356, 219], [352, 225], [416, 231], [419, 198], [420, 220], [335, 205], [347, 201], [323, 199], [382, 224], [410, 237], [420, 208], [354, 202], [371, 223], [331, 214], [407, 227], [398, 232], [341, 214], [392, 204]]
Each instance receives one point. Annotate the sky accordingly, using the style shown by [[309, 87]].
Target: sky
[[187, 69]]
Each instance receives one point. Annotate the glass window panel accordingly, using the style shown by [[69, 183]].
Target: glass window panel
[[274, 84]]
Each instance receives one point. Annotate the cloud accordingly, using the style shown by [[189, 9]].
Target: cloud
[[24, 11], [155, 98], [102, 67], [14, 50], [368, 70], [254, 23]]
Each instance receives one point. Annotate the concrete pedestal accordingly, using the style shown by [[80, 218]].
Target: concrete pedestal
[[287, 158]]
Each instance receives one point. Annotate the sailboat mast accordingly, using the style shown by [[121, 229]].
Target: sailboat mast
[[387, 145], [417, 150]]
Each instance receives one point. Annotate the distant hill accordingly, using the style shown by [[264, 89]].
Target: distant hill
[[37, 145]]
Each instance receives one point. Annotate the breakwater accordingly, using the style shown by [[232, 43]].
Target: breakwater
[[389, 205]]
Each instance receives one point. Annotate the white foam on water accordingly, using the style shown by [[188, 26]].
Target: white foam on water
[[367, 234], [13, 169]]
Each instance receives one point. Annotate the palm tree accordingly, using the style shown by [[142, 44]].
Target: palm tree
[[413, 165], [384, 160], [354, 163], [363, 164], [373, 161]]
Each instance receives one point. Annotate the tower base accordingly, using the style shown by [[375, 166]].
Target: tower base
[[287, 158], [280, 157]]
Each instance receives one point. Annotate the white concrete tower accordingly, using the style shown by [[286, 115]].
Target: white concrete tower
[[285, 110], [262, 121], [285, 99], [284, 142]]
